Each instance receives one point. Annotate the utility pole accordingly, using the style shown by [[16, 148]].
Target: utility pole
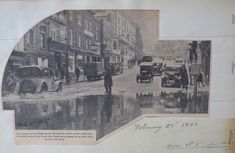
[[102, 44], [67, 51], [195, 69]]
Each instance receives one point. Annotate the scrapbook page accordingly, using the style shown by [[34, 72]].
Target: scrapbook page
[[93, 76]]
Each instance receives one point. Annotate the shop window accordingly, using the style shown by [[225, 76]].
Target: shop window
[[93, 59], [87, 59]]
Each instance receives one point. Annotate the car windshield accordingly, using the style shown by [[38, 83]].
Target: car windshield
[[179, 61], [172, 68], [147, 59], [145, 68], [28, 72], [157, 64], [46, 72]]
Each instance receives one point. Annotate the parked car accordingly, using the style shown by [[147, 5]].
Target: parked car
[[171, 77], [147, 58], [34, 79], [157, 68], [94, 70], [117, 68], [146, 72]]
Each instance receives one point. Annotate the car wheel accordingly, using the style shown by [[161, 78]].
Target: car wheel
[[99, 77], [44, 88], [59, 88], [21, 93], [162, 84]]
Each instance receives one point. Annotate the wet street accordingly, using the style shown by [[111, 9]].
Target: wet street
[[84, 105]]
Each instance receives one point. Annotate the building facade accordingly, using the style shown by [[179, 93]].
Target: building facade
[[124, 42], [72, 38]]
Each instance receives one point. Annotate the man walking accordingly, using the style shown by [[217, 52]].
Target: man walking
[[108, 82], [77, 72], [184, 77]]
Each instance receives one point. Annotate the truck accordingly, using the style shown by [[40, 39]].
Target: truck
[[94, 70]]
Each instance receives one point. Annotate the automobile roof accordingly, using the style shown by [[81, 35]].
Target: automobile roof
[[35, 66], [146, 64]]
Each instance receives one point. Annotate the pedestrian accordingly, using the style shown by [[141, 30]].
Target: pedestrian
[[11, 81], [200, 79], [62, 73], [184, 77], [77, 72], [190, 76], [108, 82]]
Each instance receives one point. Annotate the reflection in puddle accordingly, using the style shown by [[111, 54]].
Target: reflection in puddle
[[103, 113]]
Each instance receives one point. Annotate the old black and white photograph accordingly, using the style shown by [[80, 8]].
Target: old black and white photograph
[[101, 69]]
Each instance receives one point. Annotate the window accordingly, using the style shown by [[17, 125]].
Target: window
[[87, 59], [90, 43], [58, 37], [93, 59], [31, 37], [53, 35], [114, 44], [90, 26], [86, 43], [79, 18], [70, 37], [42, 40], [70, 15], [79, 40], [86, 24], [97, 35], [42, 37]]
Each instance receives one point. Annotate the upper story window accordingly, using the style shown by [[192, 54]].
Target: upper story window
[[114, 44], [70, 14], [31, 37], [70, 37], [79, 18], [86, 24], [42, 37], [79, 40]]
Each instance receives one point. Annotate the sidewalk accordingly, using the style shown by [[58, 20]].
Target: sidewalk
[[82, 78], [190, 89]]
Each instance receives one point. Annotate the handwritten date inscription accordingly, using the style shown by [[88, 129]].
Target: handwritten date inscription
[[155, 129]]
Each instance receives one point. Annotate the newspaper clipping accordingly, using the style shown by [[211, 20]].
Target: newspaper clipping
[[79, 75]]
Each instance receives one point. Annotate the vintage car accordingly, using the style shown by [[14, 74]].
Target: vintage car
[[146, 72], [157, 68], [94, 70], [171, 76], [117, 68], [34, 79]]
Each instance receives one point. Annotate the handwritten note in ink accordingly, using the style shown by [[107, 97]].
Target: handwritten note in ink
[[178, 135], [189, 135]]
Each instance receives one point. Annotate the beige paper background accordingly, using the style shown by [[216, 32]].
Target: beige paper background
[[179, 19]]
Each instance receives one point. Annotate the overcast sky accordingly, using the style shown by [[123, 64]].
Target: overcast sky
[[148, 22]]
